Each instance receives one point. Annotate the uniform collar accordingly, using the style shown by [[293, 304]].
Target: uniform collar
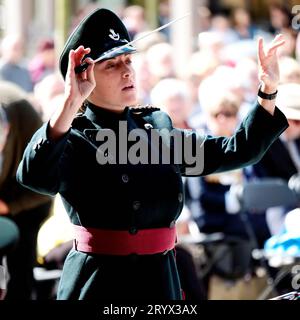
[[105, 117]]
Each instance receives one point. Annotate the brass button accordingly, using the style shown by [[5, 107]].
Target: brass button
[[136, 205], [125, 178]]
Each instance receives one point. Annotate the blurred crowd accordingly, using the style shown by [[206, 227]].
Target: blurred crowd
[[215, 93]]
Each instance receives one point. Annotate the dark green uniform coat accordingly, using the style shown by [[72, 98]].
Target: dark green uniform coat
[[130, 197]]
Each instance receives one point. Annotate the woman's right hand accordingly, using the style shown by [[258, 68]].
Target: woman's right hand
[[79, 86]]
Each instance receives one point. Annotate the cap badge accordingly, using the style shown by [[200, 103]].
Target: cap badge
[[113, 35]]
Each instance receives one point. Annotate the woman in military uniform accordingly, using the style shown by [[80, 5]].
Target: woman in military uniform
[[124, 212]]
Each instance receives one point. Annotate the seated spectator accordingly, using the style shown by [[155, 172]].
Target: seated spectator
[[160, 61], [242, 23], [289, 70], [209, 199], [282, 160], [43, 63], [9, 232], [173, 96], [11, 68], [134, 20], [25, 208]]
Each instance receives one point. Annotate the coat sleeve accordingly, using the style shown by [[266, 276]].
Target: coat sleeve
[[21, 199], [39, 169], [247, 146]]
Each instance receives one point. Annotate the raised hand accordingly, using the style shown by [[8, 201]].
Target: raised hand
[[79, 86], [268, 72]]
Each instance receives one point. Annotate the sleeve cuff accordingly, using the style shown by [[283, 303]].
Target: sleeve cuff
[[42, 141]]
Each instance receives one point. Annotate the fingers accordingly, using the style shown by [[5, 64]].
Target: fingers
[[79, 55], [80, 52], [71, 63], [277, 38], [76, 56], [90, 70], [261, 53], [278, 41], [277, 45]]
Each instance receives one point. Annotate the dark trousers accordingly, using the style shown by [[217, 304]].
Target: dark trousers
[[21, 261]]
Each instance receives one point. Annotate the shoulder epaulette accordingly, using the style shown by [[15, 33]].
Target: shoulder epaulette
[[81, 122], [143, 110]]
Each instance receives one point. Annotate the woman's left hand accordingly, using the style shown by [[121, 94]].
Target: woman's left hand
[[268, 72]]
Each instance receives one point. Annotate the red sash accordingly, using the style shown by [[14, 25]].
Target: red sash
[[114, 242]]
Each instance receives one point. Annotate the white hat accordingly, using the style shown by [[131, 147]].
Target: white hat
[[288, 100]]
